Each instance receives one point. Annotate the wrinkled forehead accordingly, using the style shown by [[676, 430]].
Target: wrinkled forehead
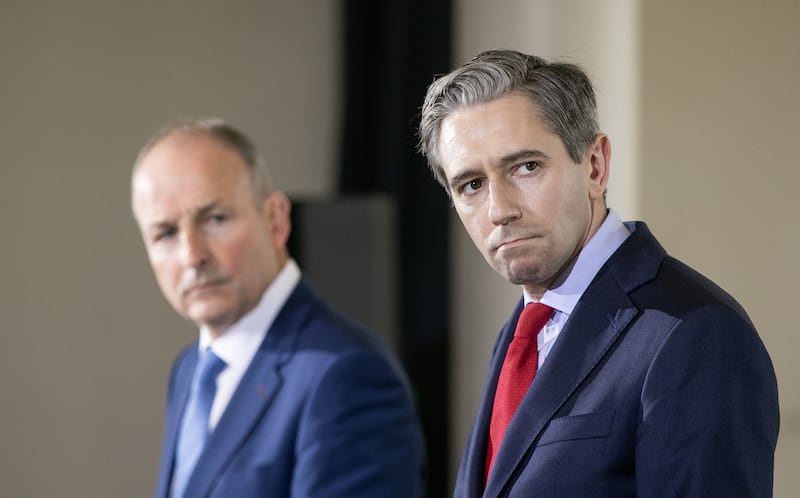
[[187, 155], [187, 170]]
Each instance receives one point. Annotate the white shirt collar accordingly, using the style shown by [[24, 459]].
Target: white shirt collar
[[237, 345], [569, 287]]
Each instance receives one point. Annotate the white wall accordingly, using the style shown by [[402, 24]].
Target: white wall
[[87, 337]]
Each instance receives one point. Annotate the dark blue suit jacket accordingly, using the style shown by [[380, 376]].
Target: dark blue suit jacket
[[324, 410], [657, 387]]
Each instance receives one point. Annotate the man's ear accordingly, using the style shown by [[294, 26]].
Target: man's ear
[[276, 209], [599, 162]]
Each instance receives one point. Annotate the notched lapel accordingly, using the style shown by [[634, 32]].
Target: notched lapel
[[603, 313], [255, 393], [474, 467], [176, 404], [252, 398], [592, 329], [183, 382]]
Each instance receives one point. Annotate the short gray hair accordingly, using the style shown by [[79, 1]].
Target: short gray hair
[[561, 92], [227, 135]]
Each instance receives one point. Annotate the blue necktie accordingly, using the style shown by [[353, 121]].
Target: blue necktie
[[194, 426]]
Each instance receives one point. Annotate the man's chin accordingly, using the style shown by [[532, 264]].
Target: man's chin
[[209, 314], [522, 274]]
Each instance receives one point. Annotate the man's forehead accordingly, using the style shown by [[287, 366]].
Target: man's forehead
[[494, 130], [155, 205], [178, 147], [190, 157], [168, 183]]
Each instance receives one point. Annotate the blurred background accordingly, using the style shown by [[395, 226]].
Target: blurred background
[[700, 100]]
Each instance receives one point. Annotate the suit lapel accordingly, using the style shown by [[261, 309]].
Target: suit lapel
[[255, 392], [474, 465], [587, 336], [177, 402], [602, 314]]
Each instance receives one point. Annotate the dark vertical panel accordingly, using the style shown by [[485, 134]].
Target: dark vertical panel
[[392, 50]]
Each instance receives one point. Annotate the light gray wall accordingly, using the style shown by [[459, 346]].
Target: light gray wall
[[88, 340]]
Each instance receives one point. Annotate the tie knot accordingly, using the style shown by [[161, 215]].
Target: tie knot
[[532, 319], [208, 368]]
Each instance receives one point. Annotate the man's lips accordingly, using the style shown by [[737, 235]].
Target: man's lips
[[203, 287], [511, 242]]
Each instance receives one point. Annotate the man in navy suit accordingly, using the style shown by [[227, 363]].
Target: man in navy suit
[[650, 381], [302, 403]]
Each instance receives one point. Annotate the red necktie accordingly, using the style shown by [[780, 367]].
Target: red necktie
[[516, 375]]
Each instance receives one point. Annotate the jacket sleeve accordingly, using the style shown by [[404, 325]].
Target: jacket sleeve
[[709, 421], [360, 436]]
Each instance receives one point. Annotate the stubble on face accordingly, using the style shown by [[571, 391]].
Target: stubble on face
[[526, 205], [218, 254]]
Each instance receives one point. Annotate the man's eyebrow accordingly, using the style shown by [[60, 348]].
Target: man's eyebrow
[[206, 208], [158, 225], [198, 213], [522, 155]]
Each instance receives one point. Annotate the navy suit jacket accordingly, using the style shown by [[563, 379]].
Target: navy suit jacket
[[657, 387], [323, 410]]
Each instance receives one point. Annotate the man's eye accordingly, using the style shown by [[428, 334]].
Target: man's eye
[[164, 234], [528, 167], [472, 186], [217, 218]]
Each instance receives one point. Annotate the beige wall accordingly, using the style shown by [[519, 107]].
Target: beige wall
[[603, 38], [703, 157], [88, 340], [720, 126], [711, 88]]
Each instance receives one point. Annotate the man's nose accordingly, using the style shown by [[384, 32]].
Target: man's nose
[[194, 249], [503, 207]]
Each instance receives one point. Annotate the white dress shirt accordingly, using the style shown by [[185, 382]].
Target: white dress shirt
[[565, 292], [237, 346]]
